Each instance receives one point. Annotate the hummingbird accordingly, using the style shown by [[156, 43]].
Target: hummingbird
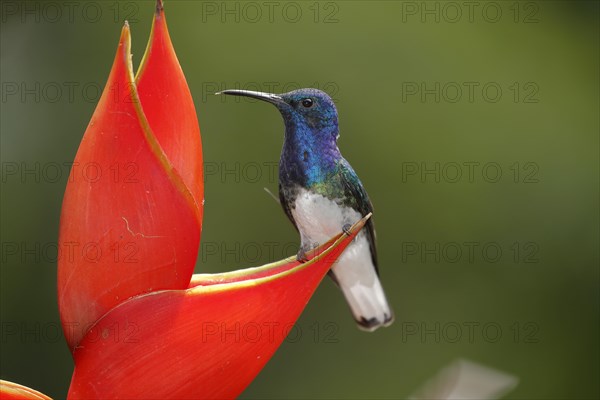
[[321, 195]]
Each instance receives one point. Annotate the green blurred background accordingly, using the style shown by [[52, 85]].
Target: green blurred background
[[394, 69]]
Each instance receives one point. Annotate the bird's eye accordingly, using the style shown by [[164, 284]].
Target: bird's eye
[[307, 103]]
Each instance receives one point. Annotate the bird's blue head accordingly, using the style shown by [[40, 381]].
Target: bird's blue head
[[302, 110], [310, 149], [309, 110]]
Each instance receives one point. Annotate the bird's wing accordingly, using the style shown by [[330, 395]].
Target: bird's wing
[[286, 205], [359, 200]]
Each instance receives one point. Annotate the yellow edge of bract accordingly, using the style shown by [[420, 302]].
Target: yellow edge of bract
[[213, 279], [155, 147], [140, 70], [258, 281], [197, 279], [16, 389]]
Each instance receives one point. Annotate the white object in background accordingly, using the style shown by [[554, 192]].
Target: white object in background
[[466, 380]]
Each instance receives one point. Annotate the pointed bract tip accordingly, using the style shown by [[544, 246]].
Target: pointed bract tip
[[125, 34], [361, 222], [125, 45], [159, 6]]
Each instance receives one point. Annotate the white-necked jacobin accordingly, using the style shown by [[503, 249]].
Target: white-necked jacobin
[[322, 195]]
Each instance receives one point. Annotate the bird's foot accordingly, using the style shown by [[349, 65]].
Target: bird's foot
[[346, 229], [301, 256]]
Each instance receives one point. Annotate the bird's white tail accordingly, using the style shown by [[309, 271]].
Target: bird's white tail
[[356, 276]]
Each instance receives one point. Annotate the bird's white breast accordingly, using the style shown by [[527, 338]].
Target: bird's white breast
[[319, 218]]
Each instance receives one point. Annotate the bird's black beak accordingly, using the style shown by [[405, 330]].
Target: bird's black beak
[[268, 97]]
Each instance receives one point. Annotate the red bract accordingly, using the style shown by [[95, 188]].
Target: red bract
[[169, 107], [209, 341], [133, 227], [138, 323]]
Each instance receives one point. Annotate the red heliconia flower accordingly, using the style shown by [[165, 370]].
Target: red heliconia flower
[[138, 323], [136, 223]]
